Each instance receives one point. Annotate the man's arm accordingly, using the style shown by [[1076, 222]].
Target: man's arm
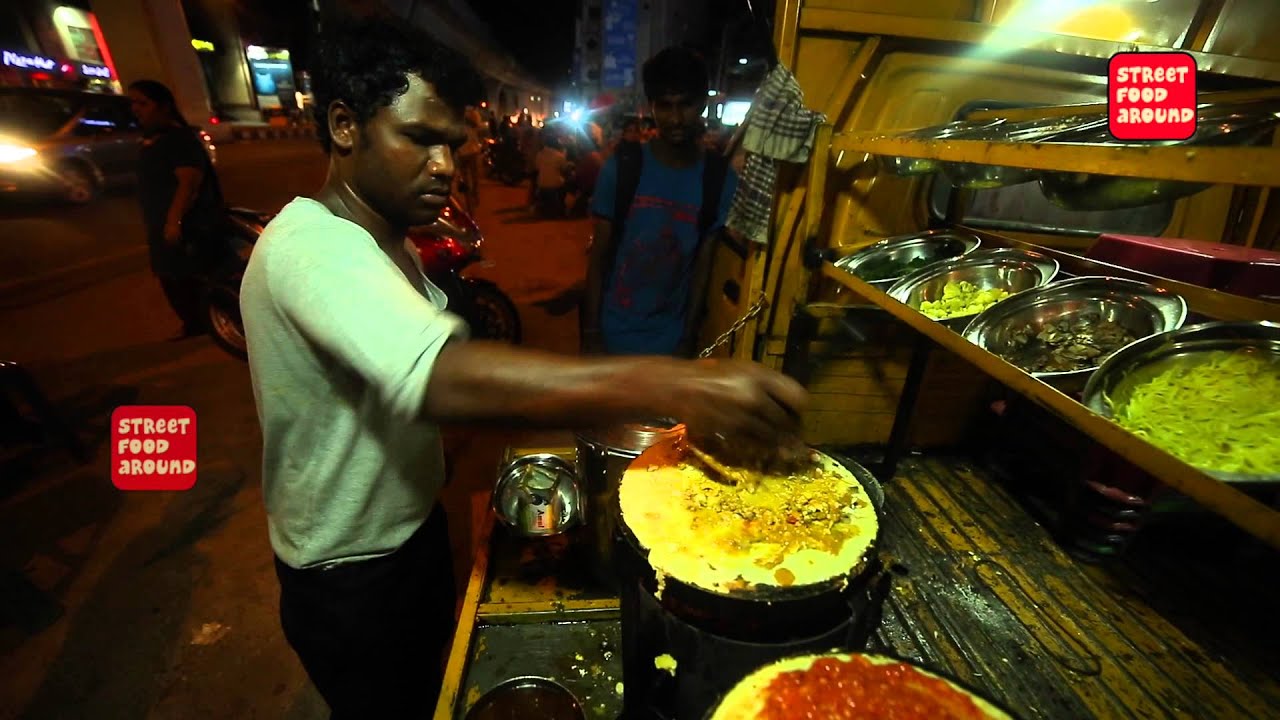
[[602, 250], [385, 331], [496, 382]]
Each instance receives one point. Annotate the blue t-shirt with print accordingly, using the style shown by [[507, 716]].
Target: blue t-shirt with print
[[647, 296]]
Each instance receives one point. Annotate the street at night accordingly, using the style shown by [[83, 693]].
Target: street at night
[[180, 586], [639, 359]]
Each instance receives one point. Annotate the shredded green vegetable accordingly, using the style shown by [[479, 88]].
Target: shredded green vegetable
[[1220, 413]]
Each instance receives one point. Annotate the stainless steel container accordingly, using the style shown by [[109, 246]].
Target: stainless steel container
[[1111, 385], [930, 245], [909, 166], [1140, 308], [976, 176], [1010, 269], [539, 495], [603, 457]]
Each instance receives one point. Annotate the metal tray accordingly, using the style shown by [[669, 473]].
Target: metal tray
[[1217, 126], [1141, 360], [910, 166], [1013, 269], [1140, 308], [932, 245], [975, 176]]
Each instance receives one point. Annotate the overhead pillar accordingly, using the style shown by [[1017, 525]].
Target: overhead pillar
[[149, 39]]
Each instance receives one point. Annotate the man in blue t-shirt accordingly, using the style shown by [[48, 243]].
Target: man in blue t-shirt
[[648, 269]]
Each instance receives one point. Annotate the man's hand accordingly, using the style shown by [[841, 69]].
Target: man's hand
[[739, 401]]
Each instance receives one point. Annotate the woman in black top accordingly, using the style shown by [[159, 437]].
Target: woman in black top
[[181, 201]]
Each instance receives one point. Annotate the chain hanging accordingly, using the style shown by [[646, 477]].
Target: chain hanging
[[752, 312]]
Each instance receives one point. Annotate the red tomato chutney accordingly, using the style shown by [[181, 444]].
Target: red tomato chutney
[[839, 689]]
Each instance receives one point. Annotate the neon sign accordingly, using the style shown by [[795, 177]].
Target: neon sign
[[27, 62], [98, 71]]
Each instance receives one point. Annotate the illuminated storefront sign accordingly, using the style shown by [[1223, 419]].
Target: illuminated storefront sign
[[95, 71], [24, 61], [273, 81]]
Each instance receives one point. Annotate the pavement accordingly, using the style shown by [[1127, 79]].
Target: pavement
[[163, 605]]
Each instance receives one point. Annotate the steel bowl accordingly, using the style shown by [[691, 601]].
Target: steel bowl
[[910, 166], [1141, 309], [976, 176], [1011, 269], [932, 245], [539, 495], [1137, 363], [527, 698], [1217, 126]]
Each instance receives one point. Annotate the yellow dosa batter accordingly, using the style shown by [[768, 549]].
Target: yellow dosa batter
[[746, 701], [781, 532]]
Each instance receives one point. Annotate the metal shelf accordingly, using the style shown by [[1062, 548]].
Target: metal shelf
[[1244, 511], [1228, 165]]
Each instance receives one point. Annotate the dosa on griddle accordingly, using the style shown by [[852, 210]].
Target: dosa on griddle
[[808, 528]]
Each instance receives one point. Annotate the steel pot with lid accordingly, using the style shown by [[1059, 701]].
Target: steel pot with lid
[[603, 456]]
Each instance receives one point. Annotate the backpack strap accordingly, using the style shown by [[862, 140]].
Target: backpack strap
[[630, 159], [715, 168]]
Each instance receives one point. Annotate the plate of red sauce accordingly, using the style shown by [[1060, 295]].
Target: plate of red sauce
[[845, 686]]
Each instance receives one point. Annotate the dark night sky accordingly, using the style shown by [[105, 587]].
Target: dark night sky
[[538, 33]]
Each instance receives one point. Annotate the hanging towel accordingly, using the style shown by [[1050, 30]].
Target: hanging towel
[[779, 128]]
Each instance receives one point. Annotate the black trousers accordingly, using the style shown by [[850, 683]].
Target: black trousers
[[371, 634]]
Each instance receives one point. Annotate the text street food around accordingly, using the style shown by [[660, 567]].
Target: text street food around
[[810, 526]]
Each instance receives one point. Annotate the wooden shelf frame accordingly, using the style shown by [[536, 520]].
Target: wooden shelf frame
[[1222, 498], [1259, 166]]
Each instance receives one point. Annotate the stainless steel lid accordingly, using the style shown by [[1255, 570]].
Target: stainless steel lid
[[631, 437]]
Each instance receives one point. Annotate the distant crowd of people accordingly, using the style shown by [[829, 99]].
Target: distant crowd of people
[[561, 159]]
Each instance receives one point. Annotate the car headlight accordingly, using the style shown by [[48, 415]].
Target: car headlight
[[11, 154]]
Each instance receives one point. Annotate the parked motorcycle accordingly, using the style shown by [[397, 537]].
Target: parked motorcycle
[[448, 249]]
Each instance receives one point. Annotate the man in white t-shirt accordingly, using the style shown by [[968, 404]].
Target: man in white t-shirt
[[355, 361]]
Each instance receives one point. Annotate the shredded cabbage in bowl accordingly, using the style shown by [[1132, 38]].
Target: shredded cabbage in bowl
[[1220, 412]]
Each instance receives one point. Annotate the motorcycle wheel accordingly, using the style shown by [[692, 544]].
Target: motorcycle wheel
[[494, 315], [222, 308]]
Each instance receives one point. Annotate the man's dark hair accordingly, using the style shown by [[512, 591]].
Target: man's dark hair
[[365, 62], [676, 71]]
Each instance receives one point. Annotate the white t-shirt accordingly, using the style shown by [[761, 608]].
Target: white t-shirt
[[341, 347]]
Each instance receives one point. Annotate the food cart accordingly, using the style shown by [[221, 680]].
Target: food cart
[[1040, 553]]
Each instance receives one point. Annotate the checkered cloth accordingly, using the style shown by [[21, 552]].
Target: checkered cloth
[[778, 128]]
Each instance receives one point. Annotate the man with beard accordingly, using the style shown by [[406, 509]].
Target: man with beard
[[355, 362]]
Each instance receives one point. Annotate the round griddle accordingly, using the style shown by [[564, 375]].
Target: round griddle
[[758, 610]]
